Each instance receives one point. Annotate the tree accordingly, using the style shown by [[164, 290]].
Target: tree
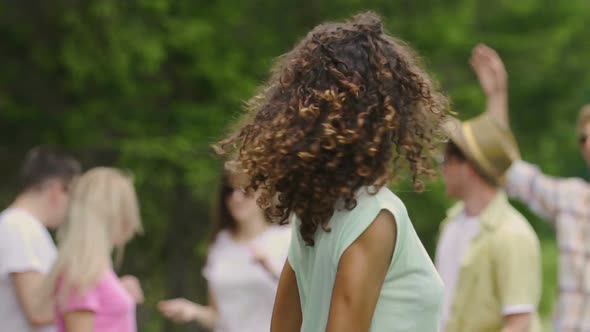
[[147, 85]]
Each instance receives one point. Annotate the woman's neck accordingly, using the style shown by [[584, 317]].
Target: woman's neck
[[250, 229]]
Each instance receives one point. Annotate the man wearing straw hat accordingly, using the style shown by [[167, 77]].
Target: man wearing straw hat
[[488, 255], [565, 202]]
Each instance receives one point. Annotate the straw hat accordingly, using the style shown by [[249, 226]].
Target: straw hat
[[486, 143]]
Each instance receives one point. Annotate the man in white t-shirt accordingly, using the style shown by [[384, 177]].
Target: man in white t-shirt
[[27, 250]]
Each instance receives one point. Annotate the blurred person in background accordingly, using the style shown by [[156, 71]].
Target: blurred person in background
[[565, 202], [488, 255], [244, 260], [343, 113], [88, 296], [27, 250]]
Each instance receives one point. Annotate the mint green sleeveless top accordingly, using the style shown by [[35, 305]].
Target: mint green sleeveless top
[[411, 296]]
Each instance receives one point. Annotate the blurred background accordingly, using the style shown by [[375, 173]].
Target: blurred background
[[147, 85]]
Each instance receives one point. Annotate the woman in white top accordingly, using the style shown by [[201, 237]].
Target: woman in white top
[[245, 258]]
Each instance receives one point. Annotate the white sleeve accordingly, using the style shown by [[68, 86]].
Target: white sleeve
[[18, 250], [514, 309], [209, 261], [281, 245]]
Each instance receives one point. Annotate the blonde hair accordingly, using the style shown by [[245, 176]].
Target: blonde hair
[[103, 211], [583, 118]]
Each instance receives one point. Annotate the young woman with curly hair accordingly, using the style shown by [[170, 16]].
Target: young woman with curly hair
[[343, 114]]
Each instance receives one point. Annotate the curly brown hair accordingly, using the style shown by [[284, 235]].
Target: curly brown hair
[[337, 109]]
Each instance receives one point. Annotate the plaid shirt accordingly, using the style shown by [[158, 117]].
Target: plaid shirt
[[566, 204]]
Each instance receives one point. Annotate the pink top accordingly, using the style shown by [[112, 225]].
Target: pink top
[[113, 307]]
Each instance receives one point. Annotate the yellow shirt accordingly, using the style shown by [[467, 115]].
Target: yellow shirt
[[502, 267]]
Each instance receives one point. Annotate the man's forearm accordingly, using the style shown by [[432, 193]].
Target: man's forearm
[[497, 106], [517, 323], [26, 285]]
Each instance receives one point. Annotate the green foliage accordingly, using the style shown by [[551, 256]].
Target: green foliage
[[147, 85]]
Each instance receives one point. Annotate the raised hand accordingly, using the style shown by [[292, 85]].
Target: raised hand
[[490, 71]]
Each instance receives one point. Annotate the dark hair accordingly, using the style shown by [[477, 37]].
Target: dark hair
[[44, 163], [222, 218], [338, 108], [453, 150]]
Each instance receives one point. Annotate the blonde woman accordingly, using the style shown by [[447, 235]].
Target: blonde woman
[[88, 295]]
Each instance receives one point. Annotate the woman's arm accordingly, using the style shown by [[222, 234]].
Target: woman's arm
[[79, 321], [182, 310], [359, 279], [286, 314]]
